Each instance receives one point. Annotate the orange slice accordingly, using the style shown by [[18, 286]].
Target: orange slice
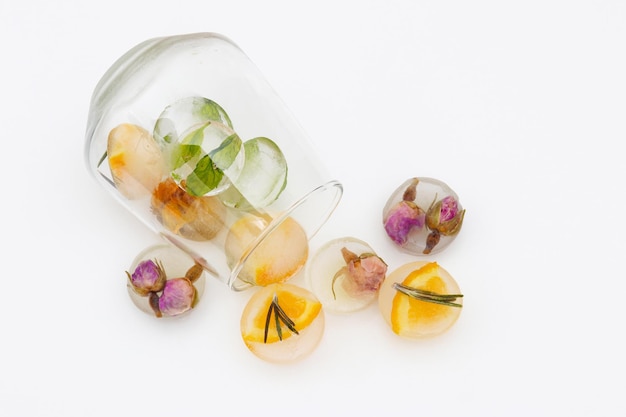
[[298, 304], [414, 318]]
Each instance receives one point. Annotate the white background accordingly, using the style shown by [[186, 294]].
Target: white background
[[519, 106]]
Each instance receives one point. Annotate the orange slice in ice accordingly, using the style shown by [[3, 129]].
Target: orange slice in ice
[[414, 318], [278, 257], [297, 304], [135, 160]]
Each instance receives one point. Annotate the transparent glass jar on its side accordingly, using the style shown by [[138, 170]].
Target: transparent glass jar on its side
[[187, 134]]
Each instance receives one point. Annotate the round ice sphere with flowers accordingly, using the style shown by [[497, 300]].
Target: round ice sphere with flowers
[[345, 274], [164, 281], [423, 216]]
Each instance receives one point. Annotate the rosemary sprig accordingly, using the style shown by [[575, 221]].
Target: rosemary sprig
[[104, 155], [279, 315], [429, 296]]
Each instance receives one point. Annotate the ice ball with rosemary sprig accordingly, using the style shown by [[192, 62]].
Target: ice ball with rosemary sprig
[[282, 323], [420, 299]]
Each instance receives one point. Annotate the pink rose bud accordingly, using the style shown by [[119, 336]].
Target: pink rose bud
[[364, 273], [367, 272], [149, 276], [443, 218], [179, 296], [402, 219]]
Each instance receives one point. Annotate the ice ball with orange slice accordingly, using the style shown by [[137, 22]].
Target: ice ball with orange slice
[[135, 160], [420, 299], [265, 250], [282, 323]]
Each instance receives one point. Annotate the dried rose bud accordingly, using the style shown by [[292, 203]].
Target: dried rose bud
[[365, 273], [149, 276], [443, 218], [179, 296], [368, 272], [402, 219]]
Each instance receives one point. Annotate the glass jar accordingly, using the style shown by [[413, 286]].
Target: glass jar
[[187, 134]]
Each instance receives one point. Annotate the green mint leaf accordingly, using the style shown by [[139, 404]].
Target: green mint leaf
[[204, 178], [224, 155], [183, 154], [196, 137], [189, 148], [210, 110]]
